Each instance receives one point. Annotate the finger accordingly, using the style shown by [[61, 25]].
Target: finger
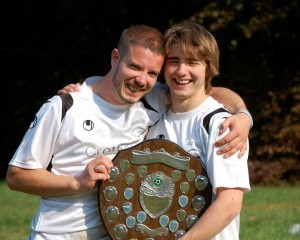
[[221, 142], [226, 139], [103, 160], [105, 163], [101, 177], [102, 170], [224, 150], [61, 92], [237, 148], [70, 88], [234, 143], [224, 126], [231, 152]]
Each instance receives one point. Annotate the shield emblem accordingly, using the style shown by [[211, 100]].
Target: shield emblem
[[159, 189], [156, 190]]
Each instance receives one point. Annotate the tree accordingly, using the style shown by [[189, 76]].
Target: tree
[[259, 58]]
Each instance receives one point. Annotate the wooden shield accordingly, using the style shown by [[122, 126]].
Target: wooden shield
[[156, 191]]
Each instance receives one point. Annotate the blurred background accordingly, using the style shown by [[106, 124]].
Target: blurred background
[[47, 44]]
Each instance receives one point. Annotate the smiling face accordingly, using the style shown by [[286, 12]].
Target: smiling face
[[192, 61], [185, 77], [135, 72]]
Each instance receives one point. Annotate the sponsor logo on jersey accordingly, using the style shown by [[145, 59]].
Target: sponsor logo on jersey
[[88, 125]]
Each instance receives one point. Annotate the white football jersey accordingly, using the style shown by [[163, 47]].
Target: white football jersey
[[67, 133], [195, 132]]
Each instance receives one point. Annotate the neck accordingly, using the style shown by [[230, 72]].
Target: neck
[[180, 105], [104, 88]]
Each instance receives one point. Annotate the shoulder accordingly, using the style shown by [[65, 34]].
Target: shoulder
[[215, 114], [215, 108], [158, 98], [58, 105], [52, 107], [53, 102], [92, 79], [66, 103]]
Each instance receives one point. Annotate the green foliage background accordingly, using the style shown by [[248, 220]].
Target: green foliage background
[[48, 44]]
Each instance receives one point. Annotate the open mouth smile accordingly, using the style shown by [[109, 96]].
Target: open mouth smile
[[182, 82], [134, 89]]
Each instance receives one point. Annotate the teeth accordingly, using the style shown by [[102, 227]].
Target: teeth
[[132, 88], [182, 82]]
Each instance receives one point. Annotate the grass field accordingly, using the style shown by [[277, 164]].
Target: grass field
[[268, 213]]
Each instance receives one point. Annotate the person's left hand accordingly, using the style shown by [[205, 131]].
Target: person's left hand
[[236, 139]]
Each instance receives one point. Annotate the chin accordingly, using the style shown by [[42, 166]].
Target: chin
[[131, 100]]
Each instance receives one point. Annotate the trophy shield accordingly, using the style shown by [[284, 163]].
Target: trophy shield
[[156, 190]]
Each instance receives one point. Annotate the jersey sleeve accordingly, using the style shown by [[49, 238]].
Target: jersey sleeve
[[36, 148], [231, 172]]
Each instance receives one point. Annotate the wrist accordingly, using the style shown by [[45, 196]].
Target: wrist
[[75, 185], [248, 115]]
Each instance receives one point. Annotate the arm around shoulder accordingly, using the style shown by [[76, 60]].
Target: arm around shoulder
[[240, 123], [230, 99]]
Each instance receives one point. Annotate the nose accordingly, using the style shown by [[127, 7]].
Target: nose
[[141, 79], [181, 69]]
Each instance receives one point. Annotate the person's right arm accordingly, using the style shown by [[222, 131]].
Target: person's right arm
[[27, 171], [229, 180], [217, 216], [44, 183]]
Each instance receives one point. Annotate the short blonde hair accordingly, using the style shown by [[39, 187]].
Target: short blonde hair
[[142, 35]]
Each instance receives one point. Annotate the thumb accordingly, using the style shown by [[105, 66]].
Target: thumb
[[224, 126]]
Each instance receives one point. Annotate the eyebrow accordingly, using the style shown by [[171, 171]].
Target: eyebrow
[[187, 59], [172, 58], [138, 66]]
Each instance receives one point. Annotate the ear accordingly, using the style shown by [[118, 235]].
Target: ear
[[115, 56]]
